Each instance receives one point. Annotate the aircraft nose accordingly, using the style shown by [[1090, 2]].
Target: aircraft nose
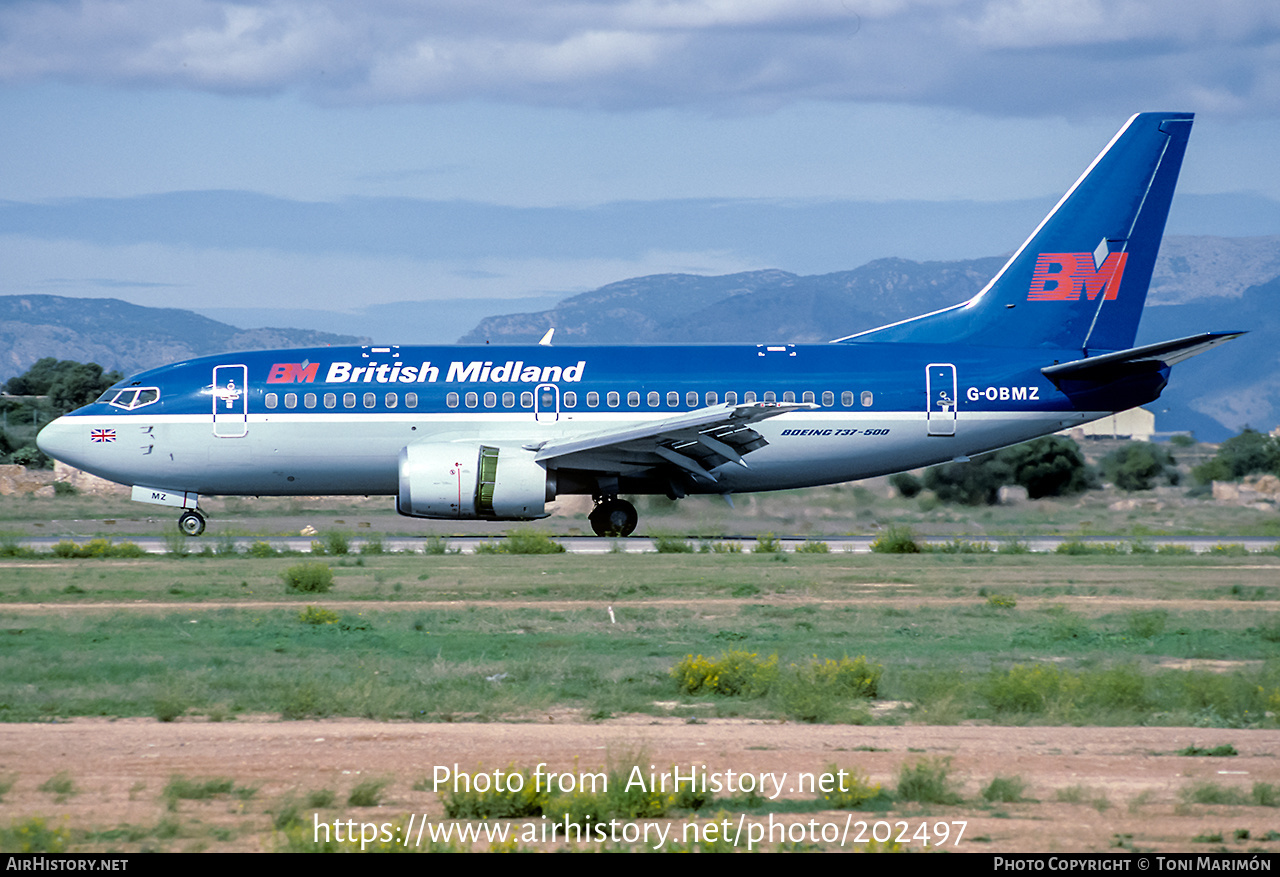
[[56, 440]]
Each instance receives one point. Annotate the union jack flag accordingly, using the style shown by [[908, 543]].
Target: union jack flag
[[102, 435]]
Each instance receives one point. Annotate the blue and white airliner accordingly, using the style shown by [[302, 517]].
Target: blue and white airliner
[[496, 433]]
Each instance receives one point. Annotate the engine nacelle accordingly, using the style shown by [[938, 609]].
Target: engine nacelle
[[456, 480]]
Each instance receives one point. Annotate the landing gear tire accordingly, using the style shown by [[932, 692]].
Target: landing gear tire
[[191, 523], [614, 517]]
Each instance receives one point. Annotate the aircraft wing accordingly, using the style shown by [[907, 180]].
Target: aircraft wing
[[696, 441], [1109, 366]]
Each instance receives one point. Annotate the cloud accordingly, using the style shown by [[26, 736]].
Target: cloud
[[997, 56]]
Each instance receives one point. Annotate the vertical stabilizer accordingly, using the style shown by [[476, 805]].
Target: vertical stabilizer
[[1081, 279]]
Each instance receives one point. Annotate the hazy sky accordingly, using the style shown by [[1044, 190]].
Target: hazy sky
[[201, 153]]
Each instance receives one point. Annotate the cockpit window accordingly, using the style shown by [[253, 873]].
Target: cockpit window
[[131, 398]]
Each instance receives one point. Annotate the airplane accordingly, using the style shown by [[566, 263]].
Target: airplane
[[496, 433]]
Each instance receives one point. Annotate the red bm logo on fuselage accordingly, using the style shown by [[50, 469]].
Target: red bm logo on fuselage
[[293, 373], [1064, 276]]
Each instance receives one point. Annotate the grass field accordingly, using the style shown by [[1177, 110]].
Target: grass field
[[1006, 638], [596, 644]]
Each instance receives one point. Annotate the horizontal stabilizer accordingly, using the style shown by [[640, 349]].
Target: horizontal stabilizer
[[1110, 366]]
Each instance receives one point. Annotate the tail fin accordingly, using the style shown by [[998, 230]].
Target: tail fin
[[1080, 280]]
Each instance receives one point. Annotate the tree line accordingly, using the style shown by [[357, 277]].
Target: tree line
[[47, 390]]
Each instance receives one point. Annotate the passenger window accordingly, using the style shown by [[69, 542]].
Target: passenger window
[[633, 399], [272, 400], [330, 400], [490, 400], [866, 398], [508, 400], [828, 398], [770, 396], [749, 397], [526, 399], [713, 398], [654, 399], [370, 400], [290, 400], [789, 396], [613, 399], [472, 400], [846, 398], [691, 399], [673, 399], [570, 399], [807, 397], [731, 398], [593, 399], [348, 400], [309, 400], [392, 400], [451, 400], [410, 400]]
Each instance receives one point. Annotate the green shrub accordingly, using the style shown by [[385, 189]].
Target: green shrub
[[811, 547], [1002, 601], [1248, 453], [318, 615], [896, 540], [367, 793], [857, 790], [734, 673], [60, 784], [97, 548], [372, 544], [927, 781], [308, 578], [907, 485], [1211, 793], [34, 835], [1049, 466], [261, 549], [436, 545], [767, 543], [1029, 688], [1226, 750], [1004, 790], [529, 542], [337, 542], [671, 545], [962, 546], [1147, 623], [1138, 465], [462, 801]]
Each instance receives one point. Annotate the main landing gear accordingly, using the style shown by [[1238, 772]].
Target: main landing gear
[[613, 517], [191, 523]]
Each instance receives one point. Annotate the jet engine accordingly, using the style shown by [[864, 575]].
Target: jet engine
[[457, 480]]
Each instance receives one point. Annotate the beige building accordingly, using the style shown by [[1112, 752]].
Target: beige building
[[1137, 424]]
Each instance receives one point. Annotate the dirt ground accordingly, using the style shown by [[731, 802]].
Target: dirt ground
[[1087, 789]]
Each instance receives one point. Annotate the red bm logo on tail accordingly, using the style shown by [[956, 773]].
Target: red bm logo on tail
[[293, 373], [1064, 276]]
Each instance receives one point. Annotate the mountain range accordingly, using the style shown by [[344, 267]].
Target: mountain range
[[119, 335], [1200, 284]]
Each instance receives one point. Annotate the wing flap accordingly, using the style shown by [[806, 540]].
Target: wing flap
[[697, 441]]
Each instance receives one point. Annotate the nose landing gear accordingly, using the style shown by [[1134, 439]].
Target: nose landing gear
[[613, 517], [191, 523]]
